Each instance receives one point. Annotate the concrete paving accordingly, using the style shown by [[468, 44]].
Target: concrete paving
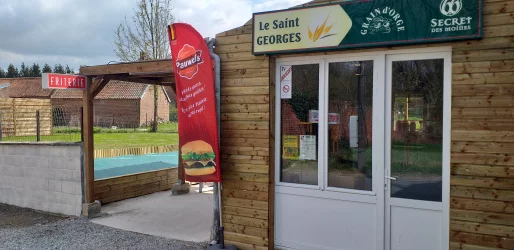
[[186, 217]]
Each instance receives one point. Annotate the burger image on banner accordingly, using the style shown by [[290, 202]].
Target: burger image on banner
[[198, 158]]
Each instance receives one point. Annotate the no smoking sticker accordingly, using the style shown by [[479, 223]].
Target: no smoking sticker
[[286, 87]]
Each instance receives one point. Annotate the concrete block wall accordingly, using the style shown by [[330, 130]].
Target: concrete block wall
[[42, 176]]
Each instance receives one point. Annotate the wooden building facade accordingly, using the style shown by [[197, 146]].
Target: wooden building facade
[[480, 190]]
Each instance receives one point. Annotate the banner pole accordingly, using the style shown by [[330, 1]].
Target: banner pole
[[222, 237], [217, 86]]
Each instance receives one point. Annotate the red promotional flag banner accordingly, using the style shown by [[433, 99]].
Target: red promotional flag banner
[[196, 103]]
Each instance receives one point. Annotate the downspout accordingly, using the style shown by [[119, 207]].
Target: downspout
[[217, 82]]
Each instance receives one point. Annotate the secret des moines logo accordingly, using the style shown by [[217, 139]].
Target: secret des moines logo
[[451, 7], [188, 60]]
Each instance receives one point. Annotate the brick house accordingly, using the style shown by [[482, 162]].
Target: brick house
[[120, 104]]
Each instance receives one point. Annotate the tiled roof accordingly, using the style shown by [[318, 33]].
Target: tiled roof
[[24, 88], [170, 94], [113, 90]]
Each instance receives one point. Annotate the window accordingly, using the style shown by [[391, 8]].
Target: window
[[299, 133], [339, 107], [350, 101], [417, 129]]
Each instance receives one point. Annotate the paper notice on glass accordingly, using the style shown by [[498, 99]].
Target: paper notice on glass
[[286, 90], [290, 147], [286, 86], [286, 73], [307, 147]]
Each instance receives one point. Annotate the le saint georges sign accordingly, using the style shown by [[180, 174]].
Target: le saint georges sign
[[366, 23]]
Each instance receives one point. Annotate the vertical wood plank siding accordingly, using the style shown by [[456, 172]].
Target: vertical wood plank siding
[[482, 135], [244, 139], [482, 168]]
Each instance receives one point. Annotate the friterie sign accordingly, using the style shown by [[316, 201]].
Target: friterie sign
[[62, 81]]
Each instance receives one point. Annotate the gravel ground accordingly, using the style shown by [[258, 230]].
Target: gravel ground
[[16, 217], [26, 229]]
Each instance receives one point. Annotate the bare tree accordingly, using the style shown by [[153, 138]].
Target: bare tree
[[146, 34]]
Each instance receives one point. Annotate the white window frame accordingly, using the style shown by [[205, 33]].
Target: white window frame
[[375, 115]]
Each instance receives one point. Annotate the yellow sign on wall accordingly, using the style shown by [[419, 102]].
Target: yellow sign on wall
[[318, 27]]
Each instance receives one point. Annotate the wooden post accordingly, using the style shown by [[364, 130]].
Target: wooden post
[[155, 108], [272, 166], [82, 124], [14, 117], [181, 171], [89, 163], [38, 127], [0, 126], [407, 108]]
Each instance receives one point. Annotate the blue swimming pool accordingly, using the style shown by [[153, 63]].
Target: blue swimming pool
[[133, 164]]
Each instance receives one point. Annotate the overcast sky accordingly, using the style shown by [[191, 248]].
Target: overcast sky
[[80, 32]]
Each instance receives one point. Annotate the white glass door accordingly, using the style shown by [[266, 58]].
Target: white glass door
[[329, 146], [417, 151], [362, 151]]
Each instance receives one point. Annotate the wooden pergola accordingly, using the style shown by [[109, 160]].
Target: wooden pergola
[[158, 72]]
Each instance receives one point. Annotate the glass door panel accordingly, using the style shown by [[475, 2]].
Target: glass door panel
[[350, 112], [417, 129], [299, 130]]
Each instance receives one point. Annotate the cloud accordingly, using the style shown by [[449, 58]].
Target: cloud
[[260, 6], [81, 32]]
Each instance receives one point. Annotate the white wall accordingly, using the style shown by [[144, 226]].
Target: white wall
[[42, 176]]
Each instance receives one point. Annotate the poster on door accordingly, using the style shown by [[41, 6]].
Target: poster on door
[[307, 147], [290, 147], [286, 86]]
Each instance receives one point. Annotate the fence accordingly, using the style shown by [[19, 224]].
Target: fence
[[115, 152], [33, 120]]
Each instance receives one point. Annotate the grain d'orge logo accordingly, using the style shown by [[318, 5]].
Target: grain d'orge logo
[[188, 60], [383, 21]]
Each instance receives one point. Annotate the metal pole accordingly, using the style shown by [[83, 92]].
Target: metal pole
[[222, 240], [361, 116], [217, 188], [38, 127]]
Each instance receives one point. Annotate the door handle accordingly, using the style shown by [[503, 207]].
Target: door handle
[[391, 178]]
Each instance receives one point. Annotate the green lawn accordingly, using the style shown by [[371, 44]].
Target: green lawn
[[171, 127], [112, 138]]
